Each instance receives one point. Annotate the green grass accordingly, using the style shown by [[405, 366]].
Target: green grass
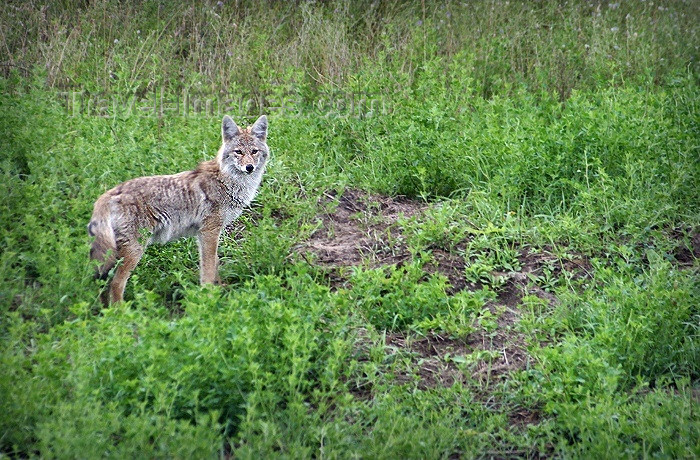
[[557, 143]]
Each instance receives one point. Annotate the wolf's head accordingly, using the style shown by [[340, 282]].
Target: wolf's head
[[243, 150]]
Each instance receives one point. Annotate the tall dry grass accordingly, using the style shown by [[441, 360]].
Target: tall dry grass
[[553, 46]]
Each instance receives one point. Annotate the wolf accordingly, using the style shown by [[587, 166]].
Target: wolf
[[199, 202]]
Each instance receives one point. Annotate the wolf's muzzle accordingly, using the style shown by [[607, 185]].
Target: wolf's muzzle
[[249, 168]]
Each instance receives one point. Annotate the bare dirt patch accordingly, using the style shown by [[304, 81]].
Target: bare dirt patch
[[452, 266], [439, 361], [536, 263], [362, 229], [688, 249], [443, 361], [362, 226]]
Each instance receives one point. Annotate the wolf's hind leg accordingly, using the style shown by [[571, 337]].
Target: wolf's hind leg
[[130, 253]]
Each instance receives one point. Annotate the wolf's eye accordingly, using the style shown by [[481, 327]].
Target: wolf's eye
[[238, 152], [254, 151]]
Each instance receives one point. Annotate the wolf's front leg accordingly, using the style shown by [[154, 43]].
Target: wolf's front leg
[[208, 239]]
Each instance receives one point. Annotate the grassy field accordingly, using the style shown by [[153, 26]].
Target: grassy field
[[478, 234]]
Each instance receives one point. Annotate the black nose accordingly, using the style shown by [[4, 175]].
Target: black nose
[[249, 168]]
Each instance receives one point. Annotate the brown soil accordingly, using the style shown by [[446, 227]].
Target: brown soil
[[452, 266], [440, 361], [362, 226]]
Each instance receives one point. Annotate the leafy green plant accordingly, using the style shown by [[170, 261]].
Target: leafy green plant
[[463, 310], [442, 226], [397, 297], [481, 271]]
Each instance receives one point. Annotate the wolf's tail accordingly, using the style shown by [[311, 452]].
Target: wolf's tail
[[104, 247]]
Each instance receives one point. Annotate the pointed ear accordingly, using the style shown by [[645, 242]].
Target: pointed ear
[[229, 130], [259, 128]]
